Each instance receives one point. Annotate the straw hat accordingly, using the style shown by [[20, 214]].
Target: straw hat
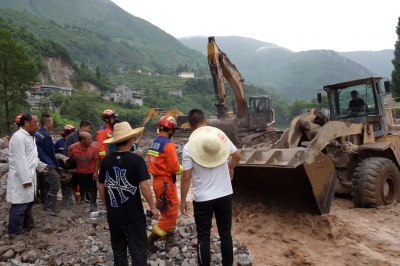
[[209, 146], [123, 131]]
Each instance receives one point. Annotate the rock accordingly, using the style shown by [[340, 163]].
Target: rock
[[18, 247], [3, 249], [173, 252], [48, 229], [65, 214], [193, 243], [243, 260], [30, 256], [9, 254]]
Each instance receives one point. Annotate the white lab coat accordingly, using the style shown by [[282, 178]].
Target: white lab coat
[[23, 161]]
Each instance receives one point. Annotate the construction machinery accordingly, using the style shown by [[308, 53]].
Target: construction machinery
[[248, 123], [356, 152], [181, 119]]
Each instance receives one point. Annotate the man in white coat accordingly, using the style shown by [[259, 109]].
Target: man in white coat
[[21, 185]]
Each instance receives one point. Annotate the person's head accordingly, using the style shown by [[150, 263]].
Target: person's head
[[29, 122], [47, 122], [166, 126], [354, 94], [68, 129], [85, 139], [85, 126], [123, 135], [109, 116], [17, 120], [196, 118]]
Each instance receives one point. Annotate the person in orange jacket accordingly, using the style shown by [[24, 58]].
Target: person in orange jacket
[[105, 131], [163, 164]]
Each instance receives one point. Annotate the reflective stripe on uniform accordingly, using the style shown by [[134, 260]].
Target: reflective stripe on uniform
[[158, 231], [102, 153], [154, 153], [180, 171]]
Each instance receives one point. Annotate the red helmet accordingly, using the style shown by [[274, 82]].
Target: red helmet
[[109, 113], [17, 119], [167, 121], [68, 129]]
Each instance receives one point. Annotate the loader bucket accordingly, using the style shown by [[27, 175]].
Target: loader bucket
[[285, 178]]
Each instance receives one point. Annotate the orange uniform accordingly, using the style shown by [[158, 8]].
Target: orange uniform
[[105, 132], [162, 162]]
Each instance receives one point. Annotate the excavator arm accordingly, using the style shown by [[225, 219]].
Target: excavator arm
[[221, 67], [160, 111]]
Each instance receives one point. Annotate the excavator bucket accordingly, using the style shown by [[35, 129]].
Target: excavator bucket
[[285, 179], [286, 174]]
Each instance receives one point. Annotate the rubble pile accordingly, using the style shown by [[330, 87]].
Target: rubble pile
[[72, 238]]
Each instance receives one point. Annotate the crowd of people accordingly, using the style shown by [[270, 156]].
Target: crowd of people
[[120, 177]]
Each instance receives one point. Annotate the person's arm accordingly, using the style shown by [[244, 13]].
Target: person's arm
[[96, 169], [146, 192], [101, 136], [173, 165], [67, 143], [185, 184], [234, 162]]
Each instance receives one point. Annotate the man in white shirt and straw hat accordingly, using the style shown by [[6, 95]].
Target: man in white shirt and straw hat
[[204, 161], [122, 173]]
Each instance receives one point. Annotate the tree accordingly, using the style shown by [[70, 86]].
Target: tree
[[17, 72], [98, 73], [396, 64]]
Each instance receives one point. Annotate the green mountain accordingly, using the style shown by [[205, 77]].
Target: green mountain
[[101, 33], [294, 75], [379, 62]]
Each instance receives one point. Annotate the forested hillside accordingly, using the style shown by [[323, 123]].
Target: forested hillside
[[295, 76], [379, 62], [100, 33]]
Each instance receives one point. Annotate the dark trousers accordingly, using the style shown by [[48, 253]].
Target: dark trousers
[[203, 213], [53, 181], [131, 236], [20, 215]]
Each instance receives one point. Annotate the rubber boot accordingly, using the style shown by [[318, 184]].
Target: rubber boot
[[151, 239], [66, 195], [83, 194], [87, 197], [93, 203], [49, 205], [171, 241]]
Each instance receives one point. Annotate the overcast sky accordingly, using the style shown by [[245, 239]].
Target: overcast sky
[[341, 25]]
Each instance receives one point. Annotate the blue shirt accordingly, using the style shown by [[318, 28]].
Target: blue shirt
[[59, 146], [45, 148]]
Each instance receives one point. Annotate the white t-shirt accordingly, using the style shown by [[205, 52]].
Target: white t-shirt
[[208, 183]]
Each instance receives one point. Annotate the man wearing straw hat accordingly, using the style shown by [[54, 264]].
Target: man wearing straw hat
[[204, 159], [123, 177]]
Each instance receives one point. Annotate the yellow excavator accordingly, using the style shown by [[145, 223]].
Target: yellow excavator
[[248, 123], [181, 119], [356, 151]]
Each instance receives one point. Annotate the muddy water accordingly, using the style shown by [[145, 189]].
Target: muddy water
[[346, 236]]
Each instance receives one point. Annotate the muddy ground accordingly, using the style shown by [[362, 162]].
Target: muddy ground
[[346, 236]]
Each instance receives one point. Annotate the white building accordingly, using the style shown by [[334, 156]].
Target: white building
[[175, 93], [123, 94], [41, 93], [186, 75]]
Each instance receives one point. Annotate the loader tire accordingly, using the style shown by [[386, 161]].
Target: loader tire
[[376, 182]]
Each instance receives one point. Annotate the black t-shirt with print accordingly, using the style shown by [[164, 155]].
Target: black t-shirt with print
[[121, 173]]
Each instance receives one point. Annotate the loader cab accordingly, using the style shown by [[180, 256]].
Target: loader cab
[[260, 111], [358, 101]]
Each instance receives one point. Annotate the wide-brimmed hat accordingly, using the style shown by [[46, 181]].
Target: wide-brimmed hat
[[209, 146], [123, 131]]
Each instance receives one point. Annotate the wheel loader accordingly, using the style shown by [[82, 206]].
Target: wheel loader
[[356, 151]]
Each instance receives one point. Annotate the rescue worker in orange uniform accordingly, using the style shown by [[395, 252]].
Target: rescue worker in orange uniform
[[105, 131], [163, 164]]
